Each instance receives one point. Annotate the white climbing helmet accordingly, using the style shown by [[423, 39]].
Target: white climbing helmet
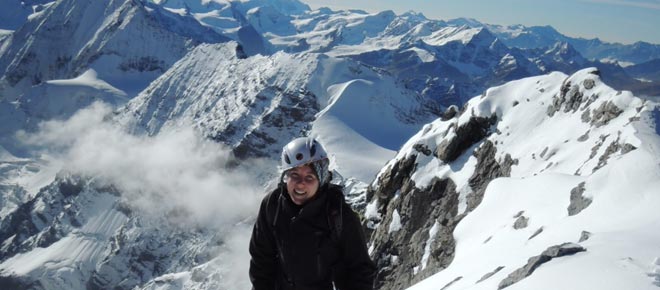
[[301, 151]]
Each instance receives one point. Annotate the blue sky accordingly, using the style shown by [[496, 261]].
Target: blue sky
[[610, 20]]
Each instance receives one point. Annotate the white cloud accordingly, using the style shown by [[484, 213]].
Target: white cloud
[[177, 171]]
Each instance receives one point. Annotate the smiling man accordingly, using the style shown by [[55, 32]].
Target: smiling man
[[306, 236]]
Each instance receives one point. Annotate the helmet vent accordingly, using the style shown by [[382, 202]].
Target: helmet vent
[[286, 158], [312, 151], [299, 156]]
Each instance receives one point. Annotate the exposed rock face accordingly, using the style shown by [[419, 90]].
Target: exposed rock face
[[604, 113], [521, 222], [396, 253], [572, 97], [34, 226], [578, 201], [487, 169], [294, 111], [451, 112], [126, 252], [536, 233], [419, 209], [488, 275], [452, 282], [585, 235], [613, 148], [467, 135], [77, 34], [533, 263]]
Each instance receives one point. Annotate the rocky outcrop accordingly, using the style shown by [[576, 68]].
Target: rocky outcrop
[[295, 113], [585, 235], [488, 275], [605, 113], [43, 220], [449, 113], [466, 135], [396, 252], [486, 170], [572, 97], [578, 201], [521, 222], [533, 263]]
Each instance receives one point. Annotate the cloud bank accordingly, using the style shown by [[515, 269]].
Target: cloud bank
[[175, 170]]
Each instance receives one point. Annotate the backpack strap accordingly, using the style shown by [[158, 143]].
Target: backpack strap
[[274, 203], [334, 209]]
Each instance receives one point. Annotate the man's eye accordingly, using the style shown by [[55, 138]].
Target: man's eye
[[309, 179]]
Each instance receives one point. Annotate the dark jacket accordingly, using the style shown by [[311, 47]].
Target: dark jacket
[[306, 256]]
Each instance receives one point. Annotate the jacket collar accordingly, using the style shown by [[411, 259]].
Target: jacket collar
[[309, 209]]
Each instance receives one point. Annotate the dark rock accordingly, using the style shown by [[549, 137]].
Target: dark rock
[[467, 135], [589, 84], [586, 116], [240, 52], [418, 209], [536, 233], [294, 113], [551, 111], [573, 100], [519, 214], [450, 113], [488, 275], [578, 201], [452, 282], [570, 97], [70, 186], [521, 222], [584, 137], [605, 113], [421, 148], [627, 148], [584, 236], [543, 152], [486, 170], [611, 149], [589, 101], [533, 263]]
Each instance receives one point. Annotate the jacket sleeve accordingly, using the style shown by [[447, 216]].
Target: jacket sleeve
[[359, 269], [263, 253]]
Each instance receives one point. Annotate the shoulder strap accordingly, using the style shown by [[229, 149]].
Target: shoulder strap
[[334, 212], [273, 203]]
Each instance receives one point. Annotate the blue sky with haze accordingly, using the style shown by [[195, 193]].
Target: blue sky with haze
[[610, 20]]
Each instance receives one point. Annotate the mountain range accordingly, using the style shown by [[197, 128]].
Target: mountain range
[[138, 137]]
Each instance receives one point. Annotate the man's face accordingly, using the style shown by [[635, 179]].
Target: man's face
[[302, 184]]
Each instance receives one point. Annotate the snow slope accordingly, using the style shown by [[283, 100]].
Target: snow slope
[[258, 104]]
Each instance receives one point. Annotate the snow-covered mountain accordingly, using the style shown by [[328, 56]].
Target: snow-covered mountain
[[498, 194], [157, 188], [544, 36]]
